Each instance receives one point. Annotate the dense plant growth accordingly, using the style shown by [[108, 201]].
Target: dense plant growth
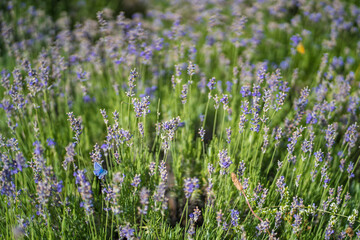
[[215, 119]]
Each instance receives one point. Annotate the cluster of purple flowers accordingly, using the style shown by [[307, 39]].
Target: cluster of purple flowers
[[190, 185], [141, 107], [169, 128], [194, 217], [76, 125], [84, 188], [351, 136], [132, 79], [225, 161]]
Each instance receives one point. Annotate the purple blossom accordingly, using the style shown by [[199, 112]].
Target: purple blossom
[[351, 136], [141, 128], [211, 84], [263, 226], [229, 86], [84, 188], [152, 168], [70, 154], [225, 101], [295, 39], [225, 161], [228, 135], [190, 185], [242, 122], [159, 196], [141, 107], [211, 169], [184, 93], [245, 91], [350, 170], [50, 142], [144, 200], [191, 69], [234, 217], [132, 79], [202, 133], [241, 169], [297, 223], [136, 181], [163, 171], [126, 232], [76, 125], [280, 184]]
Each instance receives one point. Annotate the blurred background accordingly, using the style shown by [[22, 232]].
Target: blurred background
[[78, 10]]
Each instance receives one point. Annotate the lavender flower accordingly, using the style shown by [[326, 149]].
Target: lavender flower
[[297, 223], [196, 214], [84, 188], [225, 161], [300, 105], [319, 156], [193, 219], [255, 122], [280, 183], [95, 155], [278, 136], [202, 133], [169, 128], [241, 169], [216, 99], [234, 217], [347, 198], [330, 135], [245, 91], [141, 107], [163, 171], [184, 93], [211, 84], [265, 138], [50, 142], [159, 197], [350, 170], [126, 232], [76, 125], [132, 79], [293, 141], [136, 181], [105, 116], [173, 82], [263, 226], [243, 120], [351, 136], [191, 69], [229, 86], [152, 168], [141, 128], [225, 101], [330, 228], [178, 69], [190, 185], [277, 219], [228, 135], [144, 201], [70, 154]]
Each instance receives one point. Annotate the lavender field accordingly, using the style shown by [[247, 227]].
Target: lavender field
[[190, 119]]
